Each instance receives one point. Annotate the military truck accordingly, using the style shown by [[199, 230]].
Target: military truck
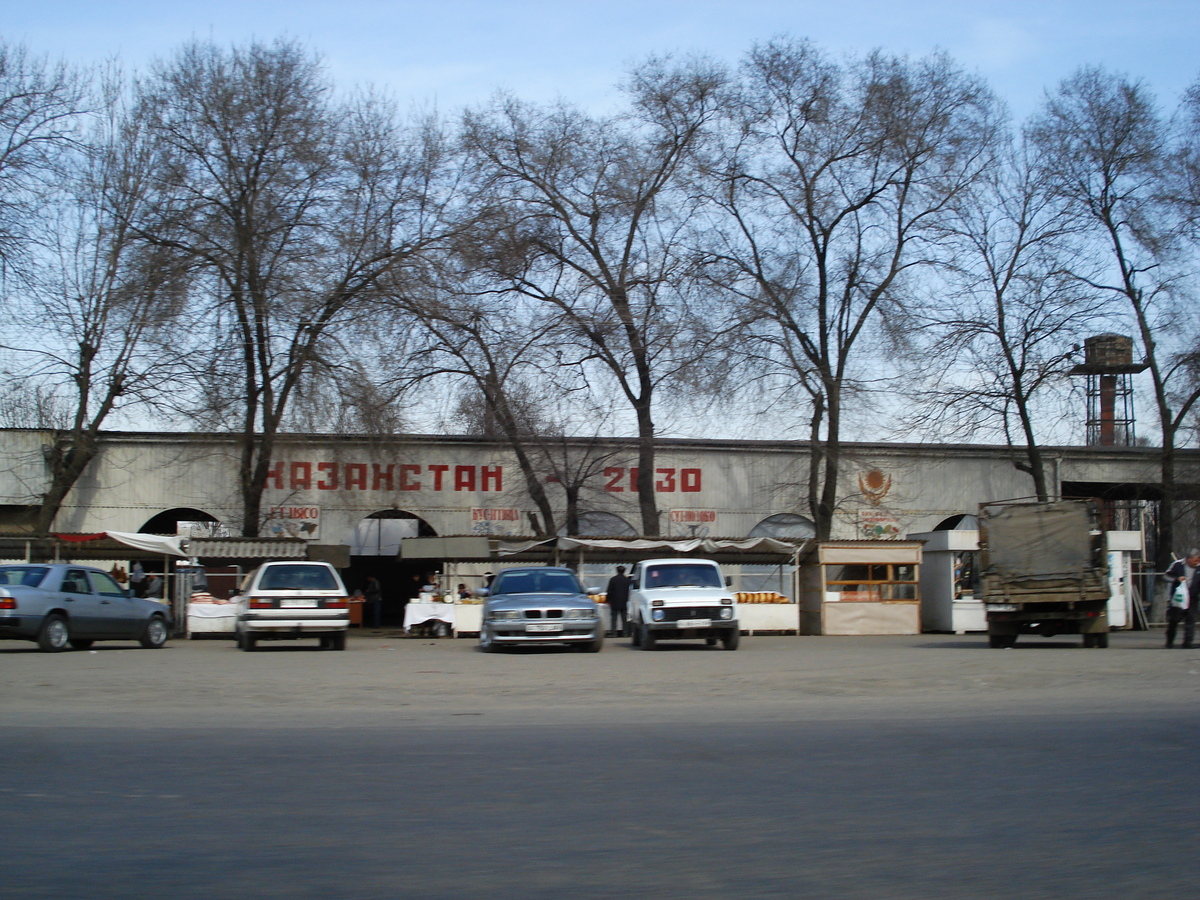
[[1045, 570]]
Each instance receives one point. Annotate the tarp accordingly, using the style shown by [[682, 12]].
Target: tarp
[[152, 543]]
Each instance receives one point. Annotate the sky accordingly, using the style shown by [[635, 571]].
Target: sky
[[446, 54]]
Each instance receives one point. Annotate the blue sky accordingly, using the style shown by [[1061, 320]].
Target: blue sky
[[456, 52]]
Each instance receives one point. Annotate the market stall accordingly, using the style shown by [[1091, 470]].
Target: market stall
[[951, 600], [861, 587], [426, 612]]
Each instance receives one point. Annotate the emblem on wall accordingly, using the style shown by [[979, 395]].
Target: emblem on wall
[[874, 486]]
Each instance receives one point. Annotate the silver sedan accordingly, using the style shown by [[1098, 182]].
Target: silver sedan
[[539, 605], [63, 605]]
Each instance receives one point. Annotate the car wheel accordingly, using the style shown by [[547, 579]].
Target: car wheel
[[731, 639], [1102, 640], [156, 633], [248, 642], [486, 643], [81, 643], [337, 641], [712, 642], [595, 646], [635, 634], [54, 634], [646, 638]]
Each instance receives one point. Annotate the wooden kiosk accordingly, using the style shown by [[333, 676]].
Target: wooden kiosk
[[861, 587]]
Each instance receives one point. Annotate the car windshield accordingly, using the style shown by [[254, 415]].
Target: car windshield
[[683, 576], [28, 576], [297, 578], [536, 583]]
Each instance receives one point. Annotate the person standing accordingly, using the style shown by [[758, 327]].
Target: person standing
[[373, 597], [618, 600], [1184, 571]]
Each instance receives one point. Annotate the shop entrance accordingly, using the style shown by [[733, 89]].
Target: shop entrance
[[375, 550]]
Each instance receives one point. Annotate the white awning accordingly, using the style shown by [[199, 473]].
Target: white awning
[[153, 543]]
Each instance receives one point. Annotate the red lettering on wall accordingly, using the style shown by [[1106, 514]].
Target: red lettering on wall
[[613, 474], [438, 472], [301, 476], [690, 479], [464, 478], [405, 471], [381, 478], [491, 475], [356, 476], [667, 483], [275, 473], [332, 470], [633, 475]]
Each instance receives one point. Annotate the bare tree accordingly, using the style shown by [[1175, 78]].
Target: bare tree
[[495, 351], [1107, 149], [1008, 316], [589, 220], [833, 188], [95, 333], [291, 208], [40, 116]]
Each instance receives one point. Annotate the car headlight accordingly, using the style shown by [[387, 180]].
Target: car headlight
[[659, 614], [506, 614], [579, 614], [726, 612]]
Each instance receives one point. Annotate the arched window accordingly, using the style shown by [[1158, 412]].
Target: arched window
[[602, 525], [784, 525]]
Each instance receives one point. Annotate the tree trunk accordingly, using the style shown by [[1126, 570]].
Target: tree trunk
[[647, 501]]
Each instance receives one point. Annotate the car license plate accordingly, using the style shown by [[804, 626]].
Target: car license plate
[[693, 623], [543, 626], [297, 604]]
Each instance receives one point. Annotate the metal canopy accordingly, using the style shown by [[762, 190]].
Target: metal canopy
[[477, 548]]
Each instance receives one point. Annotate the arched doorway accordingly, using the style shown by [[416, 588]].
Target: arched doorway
[[961, 522], [193, 522], [374, 552]]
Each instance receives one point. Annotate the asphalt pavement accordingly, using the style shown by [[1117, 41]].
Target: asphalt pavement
[[927, 766]]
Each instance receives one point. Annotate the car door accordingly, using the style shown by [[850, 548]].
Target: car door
[[82, 605], [122, 616]]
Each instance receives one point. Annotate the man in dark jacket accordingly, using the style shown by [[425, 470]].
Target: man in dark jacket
[[1185, 571], [618, 600]]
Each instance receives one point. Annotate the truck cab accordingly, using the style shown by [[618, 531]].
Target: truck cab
[[672, 599]]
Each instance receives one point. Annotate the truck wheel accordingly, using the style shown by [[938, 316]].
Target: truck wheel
[[731, 639], [635, 634], [1102, 640], [1002, 641], [646, 639]]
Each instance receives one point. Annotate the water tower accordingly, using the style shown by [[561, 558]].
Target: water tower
[[1109, 367]]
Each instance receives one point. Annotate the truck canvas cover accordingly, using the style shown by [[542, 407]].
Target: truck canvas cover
[[1041, 548]]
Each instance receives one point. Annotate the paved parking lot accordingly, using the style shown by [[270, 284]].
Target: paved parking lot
[[946, 674], [925, 766]]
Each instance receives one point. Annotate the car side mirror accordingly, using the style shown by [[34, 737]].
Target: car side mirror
[[728, 581], [633, 584], [483, 592]]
